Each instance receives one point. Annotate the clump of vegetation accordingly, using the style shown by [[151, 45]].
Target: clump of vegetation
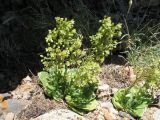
[[58, 82], [103, 41], [133, 100], [71, 73], [138, 96], [144, 56], [63, 45], [54, 82], [82, 87]]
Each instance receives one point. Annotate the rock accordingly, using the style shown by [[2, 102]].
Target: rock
[[150, 113], [27, 95], [125, 115], [27, 79], [8, 106], [16, 106], [114, 90], [5, 96], [109, 112], [108, 115], [103, 92], [95, 115], [100, 116], [9, 116], [125, 118], [1, 116], [60, 114], [156, 115], [1, 98], [11, 105], [104, 87], [109, 106], [26, 90]]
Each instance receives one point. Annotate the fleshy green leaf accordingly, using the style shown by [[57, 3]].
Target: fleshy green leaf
[[86, 107], [43, 76], [133, 100]]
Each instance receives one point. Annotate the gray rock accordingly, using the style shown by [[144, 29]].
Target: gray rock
[[1, 117], [60, 114], [114, 90], [125, 115], [108, 105], [104, 87], [13, 106], [9, 116], [103, 92], [149, 113], [100, 116], [156, 115]]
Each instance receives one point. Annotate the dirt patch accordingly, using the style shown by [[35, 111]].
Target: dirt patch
[[40, 105], [115, 76]]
